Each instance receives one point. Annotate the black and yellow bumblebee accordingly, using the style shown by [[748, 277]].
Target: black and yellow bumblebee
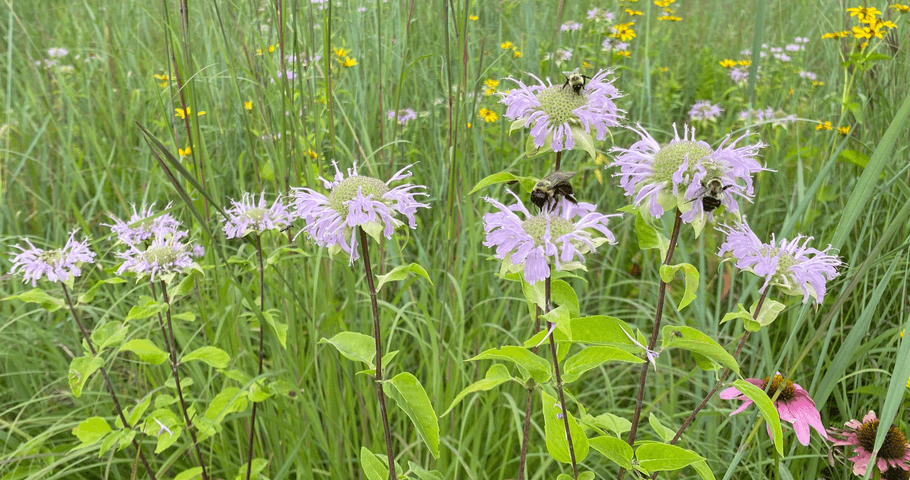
[[547, 191], [712, 194], [576, 79]]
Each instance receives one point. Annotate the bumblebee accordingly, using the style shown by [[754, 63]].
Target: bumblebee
[[712, 194], [576, 79], [549, 188]]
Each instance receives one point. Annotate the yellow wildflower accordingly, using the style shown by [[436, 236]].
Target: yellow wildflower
[[818, 83], [624, 53], [490, 83], [488, 116], [843, 130], [349, 61], [671, 18], [864, 13], [744, 63], [505, 45], [178, 112], [664, 69], [473, 18], [624, 31], [663, 3], [248, 105], [830, 35], [341, 52], [823, 125], [469, 124], [727, 63], [311, 152], [901, 8], [516, 53], [585, 65], [184, 152], [258, 51], [271, 48], [632, 13]]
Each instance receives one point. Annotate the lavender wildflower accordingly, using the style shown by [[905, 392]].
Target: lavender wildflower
[[705, 110], [564, 233], [57, 52], [792, 47], [165, 256], [739, 74], [404, 115], [557, 115], [672, 175], [142, 224], [61, 265], [808, 75], [792, 266], [248, 216], [570, 26], [356, 201]]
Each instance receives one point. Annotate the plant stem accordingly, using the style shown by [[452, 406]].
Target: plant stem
[[364, 248], [562, 398], [172, 350], [558, 161], [249, 456], [661, 295], [107, 381], [527, 425]]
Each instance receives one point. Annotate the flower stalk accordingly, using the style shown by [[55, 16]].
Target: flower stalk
[[249, 456], [661, 295], [562, 398], [364, 247], [107, 381], [528, 402]]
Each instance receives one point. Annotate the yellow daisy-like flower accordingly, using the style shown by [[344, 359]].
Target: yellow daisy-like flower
[[179, 112], [491, 83], [271, 48], [505, 45], [469, 124], [818, 83], [664, 69], [311, 152], [488, 116], [473, 18], [349, 61], [624, 31], [184, 152], [843, 130], [663, 3], [727, 63], [341, 52], [901, 8], [671, 18], [863, 13], [516, 53], [258, 51], [632, 13], [248, 105], [624, 53], [823, 125], [744, 63]]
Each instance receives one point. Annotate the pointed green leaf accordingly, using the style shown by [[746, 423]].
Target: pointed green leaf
[[555, 429], [501, 177], [703, 470], [213, 356], [592, 357], [354, 346], [146, 350], [562, 294], [191, 474], [137, 412], [599, 329], [400, 273], [91, 430], [36, 295], [764, 404], [496, 376], [742, 314], [280, 328], [613, 423], [616, 450], [649, 236], [373, 467], [111, 333], [667, 272], [81, 369], [259, 465], [688, 338], [147, 307], [230, 400], [89, 294], [424, 474], [656, 457], [583, 140], [663, 432], [769, 312], [412, 398], [536, 366]]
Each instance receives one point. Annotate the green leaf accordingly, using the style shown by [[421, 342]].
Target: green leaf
[[193, 473], [667, 272], [616, 450], [81, 369], [593, 357], [613, 423], [213, 356], [187, 283], [583, 140], [258, 392], [656, 457], [167, 431], [769, 312], [36, 295], [280, 328], [137, 412], [91, 430], [354, 346], [857, 158], [372, 466], [649, 236], [555, 430], [760, 398], [527, 183], [581, 476], [704, 471], [400, 273], [536, 366], [412, 398], [110, 333], [562, 294], [147, 307], [259, 465], [688, 338], [185, 316], [424, 474], [534, 294], [146, 350], [230, 400], [663, 432], [89, 294], [496, 376], [741, 313], [599, 329]]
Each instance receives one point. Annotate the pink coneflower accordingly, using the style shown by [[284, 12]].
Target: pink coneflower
[[356, 201], [664, 177], [57, 265], [249, 216], [556, 114], [793, 405], [564, 233], [894, 453], [792, 265]]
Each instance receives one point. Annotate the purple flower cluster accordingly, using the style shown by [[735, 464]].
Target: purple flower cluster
[[552, 111], [404, 115], [597, 15], [791, 265], [564, 233], [248, 216], [165, 255], [674, 175], [776, 117], [570, 26], [142, 225], [57, 265], [705, 110], [356, 201]]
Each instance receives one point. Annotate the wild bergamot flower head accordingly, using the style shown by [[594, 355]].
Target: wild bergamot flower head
[[705, 110], [527, 243], [60, 265], [356, 201], [894, 453], [249, 216], [142, 224], [674, 175], [792, 265], [793, 405], [165, 256], [560, 118]]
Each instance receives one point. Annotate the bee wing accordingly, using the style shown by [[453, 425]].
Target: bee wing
[[560, 176]]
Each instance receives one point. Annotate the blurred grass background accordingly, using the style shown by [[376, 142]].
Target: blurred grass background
[[72, 154]]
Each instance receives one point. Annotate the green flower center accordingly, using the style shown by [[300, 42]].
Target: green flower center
[[782, 274], [787, 390], [669, 158], [160, 255], [51, 257], [895, 445], [348, 188], [255, 214], [559, 103], [537, 226]]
